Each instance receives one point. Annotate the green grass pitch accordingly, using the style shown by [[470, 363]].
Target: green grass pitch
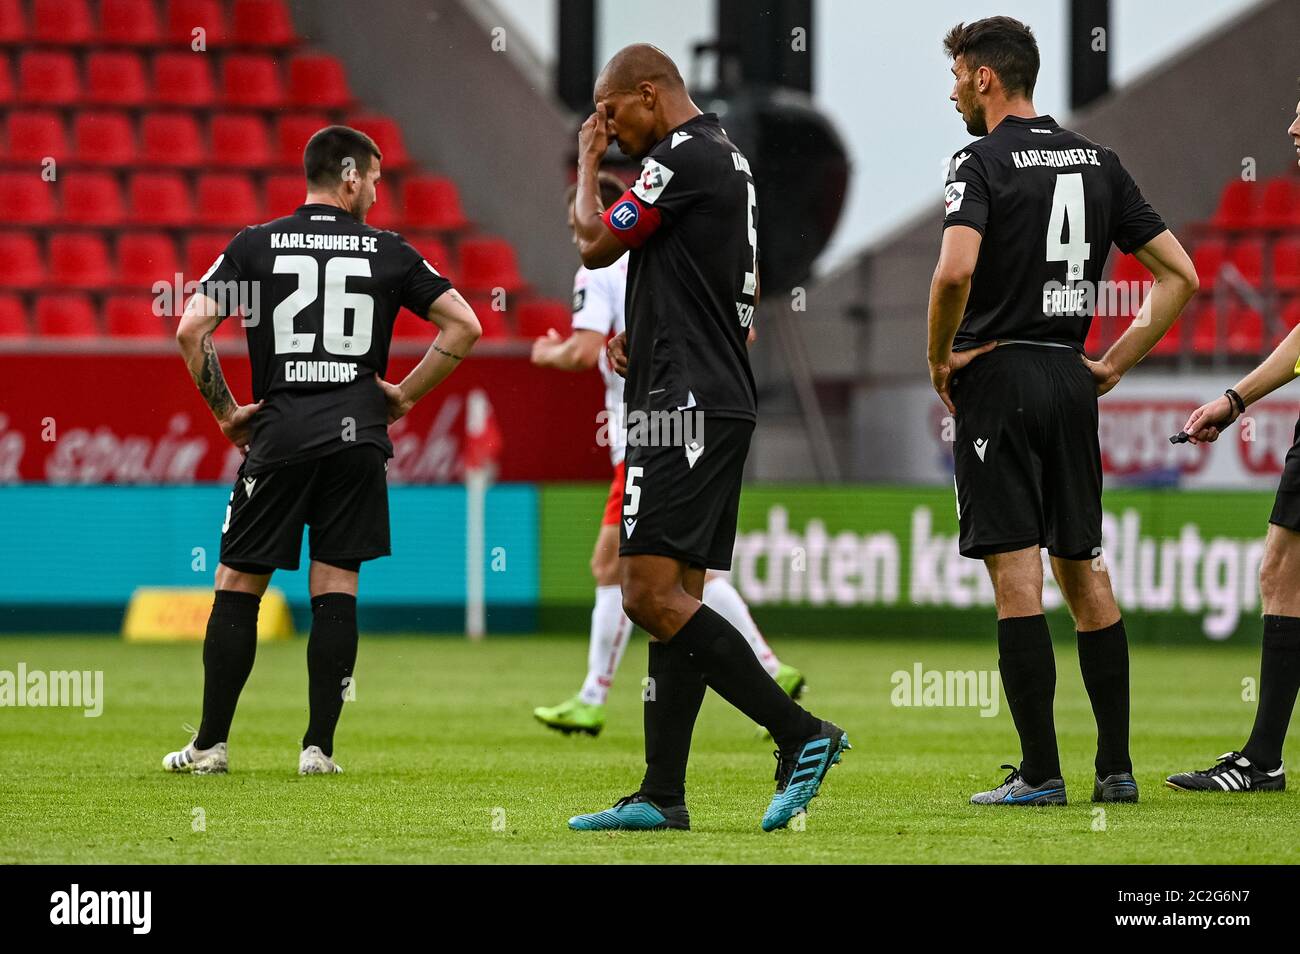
[[445, 764]]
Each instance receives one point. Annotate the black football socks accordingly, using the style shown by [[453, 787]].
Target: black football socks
[[228, 650], [672, 698], [1028, 671], [331, 657], [731, 669], [1279, 678], [1103, 660]]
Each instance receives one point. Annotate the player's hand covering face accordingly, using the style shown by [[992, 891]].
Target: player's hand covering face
[[593, 137]]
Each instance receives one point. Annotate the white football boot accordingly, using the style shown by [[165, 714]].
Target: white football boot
[[315, 762], [211, 761]]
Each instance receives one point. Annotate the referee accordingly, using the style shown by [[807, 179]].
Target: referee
[[1031, 210]]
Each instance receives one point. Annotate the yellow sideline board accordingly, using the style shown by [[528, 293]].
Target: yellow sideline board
[[174, 614]]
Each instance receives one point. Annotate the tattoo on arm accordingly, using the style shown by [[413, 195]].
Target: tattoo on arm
[[444, 351], [211, 382]]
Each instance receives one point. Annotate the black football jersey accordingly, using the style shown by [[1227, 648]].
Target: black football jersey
[[691, 221], [321, 291], [1049, 204]]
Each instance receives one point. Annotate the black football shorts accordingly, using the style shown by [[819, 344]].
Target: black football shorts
[[681, 500], [1028, 461], [343, 497], [1286, 505]]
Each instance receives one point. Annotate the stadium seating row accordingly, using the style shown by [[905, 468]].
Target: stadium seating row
[[258, 23], [428, 203], [75, 315], [138, 259], [170, 78]]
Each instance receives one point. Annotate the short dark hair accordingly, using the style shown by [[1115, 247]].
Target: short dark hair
[[1004, 45], [611, 189], [328, 150]]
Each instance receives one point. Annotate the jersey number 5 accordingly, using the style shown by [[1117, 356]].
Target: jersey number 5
[[337, 300], [1068, 207]]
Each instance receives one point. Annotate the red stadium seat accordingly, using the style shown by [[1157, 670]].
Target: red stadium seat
[[1247, 256], [104, 138], [228, 199], [1239, 332], [1279, 205], [7, 93], [1290, 316], [65, 316], [239, 140], [160, 199], [1286, 264], [251, 79], [79, 260], [144, 258], [24, 263], [184, 16], [407, 327], [1236, 205], [496, 326], [1208, 257], [538, 315], [48, 78], [436, 253], [201, 251], [387, 135], [13, 24], [263, 23], [489, 263], [171, 139], [13, 317], [432, 202], [129, 22], [183, 79], [386, 213], [92, 198], [116, 78], [284, 194], [132, 316], [62, 22], [26, 199], [291, 134], [318, 80], [35, 135]]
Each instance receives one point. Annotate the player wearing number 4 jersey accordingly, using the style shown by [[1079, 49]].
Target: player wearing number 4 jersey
[[692, 285], [598, 299], [1031, 210], [321, 290]]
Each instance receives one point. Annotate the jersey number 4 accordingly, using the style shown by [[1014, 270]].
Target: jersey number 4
[[1068, 211], [336, 302]]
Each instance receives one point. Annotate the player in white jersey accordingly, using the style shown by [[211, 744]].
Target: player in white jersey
[[598, 298]]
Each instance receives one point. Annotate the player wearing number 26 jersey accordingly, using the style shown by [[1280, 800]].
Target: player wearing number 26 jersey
[[318, 291], [1030, 213]]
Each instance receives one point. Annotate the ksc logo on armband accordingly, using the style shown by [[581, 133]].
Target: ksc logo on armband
[[625, 215]]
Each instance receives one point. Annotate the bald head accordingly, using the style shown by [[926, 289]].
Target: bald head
[[637, 64], [643, 96]]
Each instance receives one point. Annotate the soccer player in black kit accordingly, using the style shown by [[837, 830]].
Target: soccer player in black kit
[[692, 286], [322, 289], [1031, 210]]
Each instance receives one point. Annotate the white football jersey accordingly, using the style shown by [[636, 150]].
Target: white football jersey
[[598, 296]]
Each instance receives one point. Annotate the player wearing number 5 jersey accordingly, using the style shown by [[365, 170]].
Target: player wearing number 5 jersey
[[1031, 210], [692, 285], [319, 291]]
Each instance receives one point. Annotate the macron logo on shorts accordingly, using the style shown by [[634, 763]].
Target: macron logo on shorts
[[629, 525], [981, 446]]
